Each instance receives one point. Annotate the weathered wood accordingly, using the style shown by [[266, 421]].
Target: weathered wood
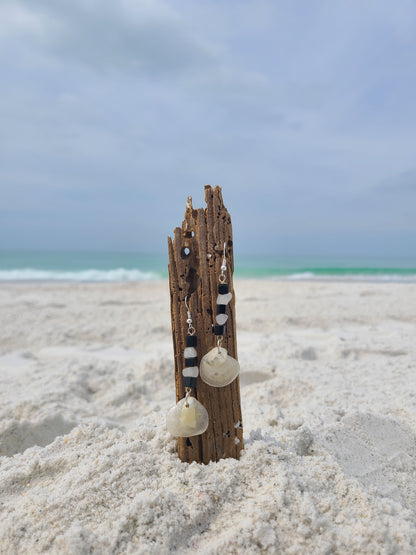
[[195, 273]]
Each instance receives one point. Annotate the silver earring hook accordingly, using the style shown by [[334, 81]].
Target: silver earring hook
[[224, 257], [222, 276], [191, 329]]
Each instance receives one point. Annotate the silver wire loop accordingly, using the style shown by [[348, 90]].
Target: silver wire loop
[[191, 329], [187, 394], [222, 277], [219, 342]]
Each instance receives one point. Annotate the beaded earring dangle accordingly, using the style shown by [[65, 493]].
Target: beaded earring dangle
[[218, 368], [188, 417]]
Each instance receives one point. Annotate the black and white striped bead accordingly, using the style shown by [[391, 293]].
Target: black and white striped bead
[[190, 372], [224, 297]]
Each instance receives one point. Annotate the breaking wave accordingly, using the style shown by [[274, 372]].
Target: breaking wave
[[117, 274]]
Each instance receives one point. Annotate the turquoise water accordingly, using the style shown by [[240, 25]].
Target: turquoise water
[[307, 267], [83, 266]]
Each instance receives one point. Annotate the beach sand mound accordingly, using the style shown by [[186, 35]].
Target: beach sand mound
[[329, 407]]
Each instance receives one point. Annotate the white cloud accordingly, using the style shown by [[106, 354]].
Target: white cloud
[[18, 20], [146, 36], [312, 105]]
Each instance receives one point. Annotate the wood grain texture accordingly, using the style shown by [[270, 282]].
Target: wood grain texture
[[195, 256]]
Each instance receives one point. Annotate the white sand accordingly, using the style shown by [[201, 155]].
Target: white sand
[[329, 406]]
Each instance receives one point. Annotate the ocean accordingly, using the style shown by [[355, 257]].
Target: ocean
[[107, 267]]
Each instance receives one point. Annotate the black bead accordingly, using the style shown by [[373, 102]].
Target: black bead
[[191, 362], [223, 288], [221, 308], [218, 330], [191, 340], [190, 382]]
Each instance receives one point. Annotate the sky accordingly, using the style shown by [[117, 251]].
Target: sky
[[112, 113]]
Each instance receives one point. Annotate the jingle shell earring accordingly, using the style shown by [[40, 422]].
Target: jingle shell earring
[[218, 368], [188, 417]]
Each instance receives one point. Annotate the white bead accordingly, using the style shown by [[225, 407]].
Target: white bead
[[190, 372], [190, 352], [217, 368], [224, 299], [187, 421], [221, 319]]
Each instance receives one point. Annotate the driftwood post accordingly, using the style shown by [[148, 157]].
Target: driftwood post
[[195, 257]]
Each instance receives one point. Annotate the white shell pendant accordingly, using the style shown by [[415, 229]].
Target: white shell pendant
[[217, 368], [187, 421]]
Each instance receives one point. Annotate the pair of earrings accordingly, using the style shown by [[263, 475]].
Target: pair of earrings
[[218, 369]]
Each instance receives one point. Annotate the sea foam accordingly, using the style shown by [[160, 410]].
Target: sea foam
[[117, 274], [370, 277], [124, 274]]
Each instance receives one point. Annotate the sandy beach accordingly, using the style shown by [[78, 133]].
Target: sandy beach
[[328, 388]]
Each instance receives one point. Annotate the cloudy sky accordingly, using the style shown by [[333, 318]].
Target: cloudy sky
[[111, 113]]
